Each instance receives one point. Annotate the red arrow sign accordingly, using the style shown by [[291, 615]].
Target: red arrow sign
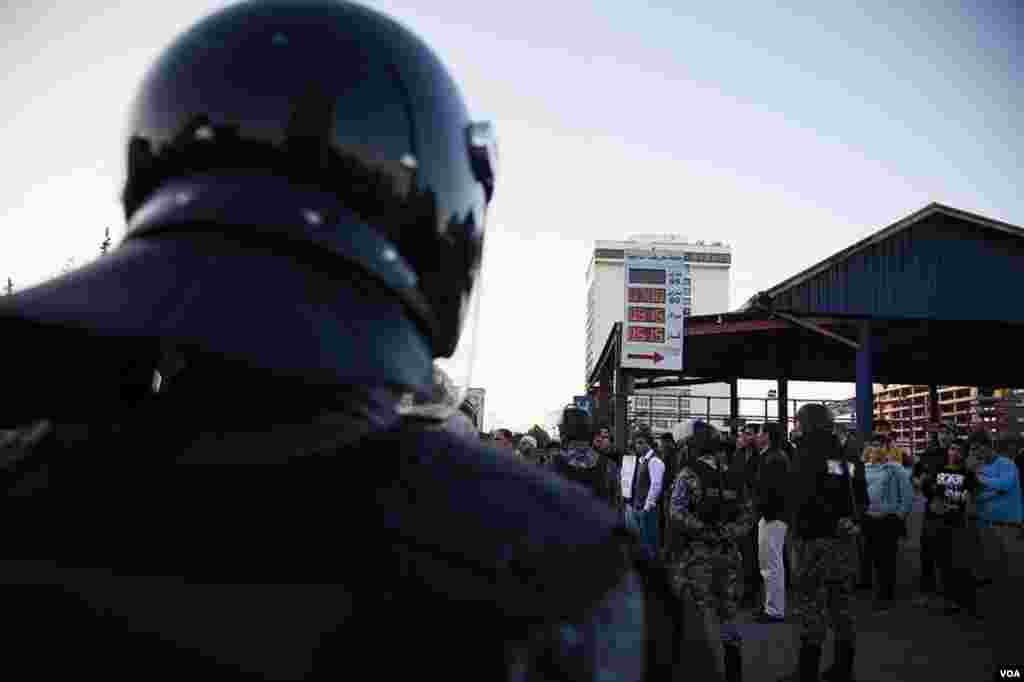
[[657, 357]]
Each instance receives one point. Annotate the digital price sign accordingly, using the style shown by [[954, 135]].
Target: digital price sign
[[653, 330]]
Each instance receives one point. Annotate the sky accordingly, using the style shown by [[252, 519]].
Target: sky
[[787, 130]]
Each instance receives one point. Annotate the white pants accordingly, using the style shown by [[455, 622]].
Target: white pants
[[771, 539]]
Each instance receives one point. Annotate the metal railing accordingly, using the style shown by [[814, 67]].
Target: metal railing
[[660, 412]]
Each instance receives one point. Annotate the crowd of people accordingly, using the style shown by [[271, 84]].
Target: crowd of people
[[741, 518]]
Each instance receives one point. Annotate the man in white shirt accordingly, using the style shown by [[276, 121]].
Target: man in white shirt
[[772, 471], [627, 476], [641, 497]]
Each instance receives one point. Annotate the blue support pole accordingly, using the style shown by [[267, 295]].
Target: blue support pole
[[865, 390]]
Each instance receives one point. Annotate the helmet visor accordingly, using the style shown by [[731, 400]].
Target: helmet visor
[[453, 375]]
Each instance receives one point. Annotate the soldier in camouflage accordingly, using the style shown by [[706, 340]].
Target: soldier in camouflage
[[829, 499], [710, 514]]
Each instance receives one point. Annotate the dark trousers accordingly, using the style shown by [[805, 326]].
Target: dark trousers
[[787, 564], [881, 540], [865, 573], [646, 524], [930, 556], [751, 567], [957, 578]]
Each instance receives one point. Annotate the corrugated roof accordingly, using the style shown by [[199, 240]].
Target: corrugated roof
[[880, 236]]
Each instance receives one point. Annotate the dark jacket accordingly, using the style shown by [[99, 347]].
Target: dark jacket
[[933, 459], [770, 481], [821, 497], [853, 448]]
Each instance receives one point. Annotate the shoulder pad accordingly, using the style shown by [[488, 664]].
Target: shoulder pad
[[481, 526], [426, 510]]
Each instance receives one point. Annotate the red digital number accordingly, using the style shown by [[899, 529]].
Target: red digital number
[[646, 295]]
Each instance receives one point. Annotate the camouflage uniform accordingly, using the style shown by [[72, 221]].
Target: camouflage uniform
[[705, 560], [829, 495], [824, 583]]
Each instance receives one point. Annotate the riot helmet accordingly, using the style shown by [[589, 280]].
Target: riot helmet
[[329, 144], [704, 440], [814, 418], [576, 424]]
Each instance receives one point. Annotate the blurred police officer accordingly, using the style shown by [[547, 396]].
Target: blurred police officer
[[305, 200], [579, 461]]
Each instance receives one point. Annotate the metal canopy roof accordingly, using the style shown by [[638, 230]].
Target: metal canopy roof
[[939, 263]]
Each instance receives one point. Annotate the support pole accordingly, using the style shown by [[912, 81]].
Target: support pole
[[621, 393], [734, 404], [934, 412], [606, 401], [865, 391], [783, 397]]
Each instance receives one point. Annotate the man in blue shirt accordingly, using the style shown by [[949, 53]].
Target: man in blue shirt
[[997, 494]]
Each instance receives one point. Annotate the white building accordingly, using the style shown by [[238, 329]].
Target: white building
[[708, 293]]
